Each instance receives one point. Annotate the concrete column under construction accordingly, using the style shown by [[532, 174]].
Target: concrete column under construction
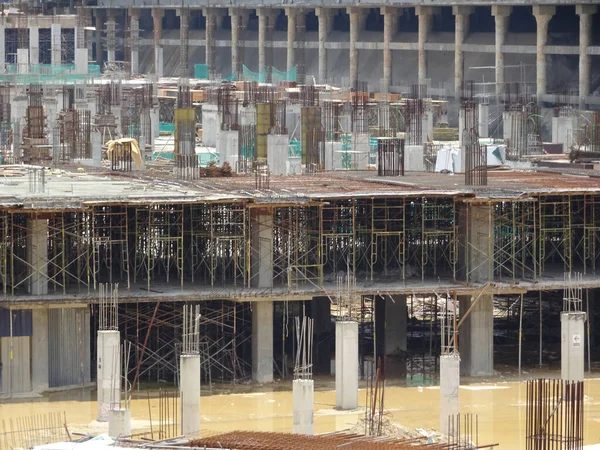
[[356, 15], [585, 13], [449, 389], [108, 372], [396, 320], [239, 22], [424, 13], [390, 23], [346, 364], [37, 248], [56, 43], [262, 342], [189, 387], [39, 350], [111, 35], [572, 328], [501, 15], [543, 14], [157, 15], [476, 231], [303, 399], [34, 44], [134, 33], [476, 335], [325, 18], [461, 30]]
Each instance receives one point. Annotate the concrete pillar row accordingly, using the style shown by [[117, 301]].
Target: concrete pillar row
[[424, 13], [356, 16], [501, 15], [390, 24], [157, 15], [585, 13], [134, 36], [325, 24], [239, 22], [266, 18], [111, 35], [543, 14], [461, 15], [296, 18]]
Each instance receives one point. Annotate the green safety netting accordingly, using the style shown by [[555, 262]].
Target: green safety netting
[[295, 148], [278, 76], [248, 75], [166, 127], [201, 71], [47, 74]]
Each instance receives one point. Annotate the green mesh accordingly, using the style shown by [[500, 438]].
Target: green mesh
[[201, 71]]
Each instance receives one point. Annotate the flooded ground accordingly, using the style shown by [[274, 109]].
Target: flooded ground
[[500, 408]]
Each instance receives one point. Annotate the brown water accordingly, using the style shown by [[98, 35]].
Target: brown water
[[500, 408]]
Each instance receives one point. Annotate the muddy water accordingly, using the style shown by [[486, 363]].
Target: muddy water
[[500, 408]]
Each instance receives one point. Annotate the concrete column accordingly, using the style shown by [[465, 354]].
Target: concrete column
[[501, 15], [461, 31], [396, 316], [356, 15], [262, 342], [39, 350], [484, 120], [111, 35], [572, 328], [108, 372], [134, 35], [303, 399], [119, 423], [2, 44], [543, 14], [449, 389], [56, 43], [585, 27], [346, 365], [212, 16], [189, 387], [23, 60], [390, 22], [239, 22], [476, 230], [261, 249], [292, 14], [37, 247], [324, 16], [424, 13], [157, 15], [476, 336], [265, 18], [184, 46], [34, 44], [99, 14]]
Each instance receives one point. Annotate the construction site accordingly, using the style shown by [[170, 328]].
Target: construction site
[[354, 213]]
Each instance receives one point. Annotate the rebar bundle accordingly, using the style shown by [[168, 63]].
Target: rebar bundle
[[475, 155], [29, 432], [191, 330], [390, 157], [108, 299], [375, 402], [555, 415], [303, 367]]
